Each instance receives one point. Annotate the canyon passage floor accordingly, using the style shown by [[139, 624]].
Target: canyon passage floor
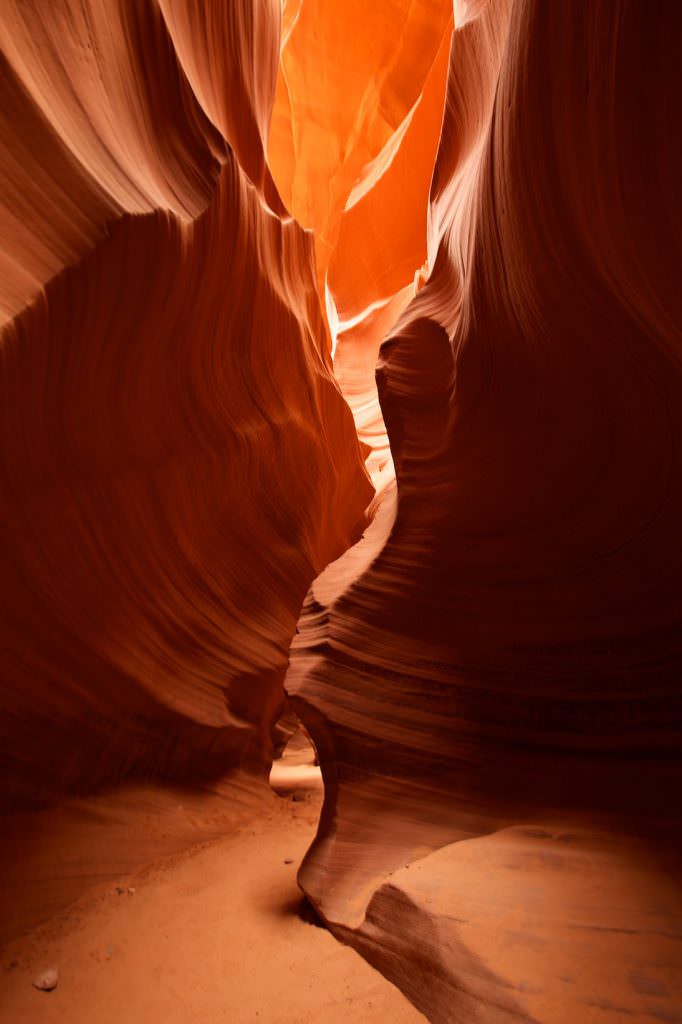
[[210, 934]]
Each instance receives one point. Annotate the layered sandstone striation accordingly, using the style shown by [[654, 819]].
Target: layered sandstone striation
[[355, 128], [177, 460], [244, 247], [505, 663]]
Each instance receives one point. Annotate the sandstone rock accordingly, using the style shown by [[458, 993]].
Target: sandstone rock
[[46, 980]]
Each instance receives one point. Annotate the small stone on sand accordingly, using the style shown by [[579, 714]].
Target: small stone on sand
[[46, 980]]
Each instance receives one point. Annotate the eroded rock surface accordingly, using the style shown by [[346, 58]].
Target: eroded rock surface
[[215, 217], [177, 462], [511, 656]]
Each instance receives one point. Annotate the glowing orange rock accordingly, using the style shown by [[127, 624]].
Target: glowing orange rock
[[511, 654]]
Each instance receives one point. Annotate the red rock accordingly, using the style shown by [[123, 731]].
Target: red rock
[[512, 654], [491, 674], [177, 461]]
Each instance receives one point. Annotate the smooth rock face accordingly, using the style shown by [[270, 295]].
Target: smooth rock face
[[177, 462], [244, 247], [530, 925], [512, 655]]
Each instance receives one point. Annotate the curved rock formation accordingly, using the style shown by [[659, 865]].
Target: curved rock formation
[[512, 655], [527, 924], [491, 673], [353, 157], [177, 461]]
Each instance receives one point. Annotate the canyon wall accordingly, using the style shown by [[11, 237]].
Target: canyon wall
[[496, 676], [177, 461], [216, 218]]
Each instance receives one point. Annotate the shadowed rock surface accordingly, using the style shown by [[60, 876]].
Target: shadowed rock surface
[[246, 246], [511, 655]]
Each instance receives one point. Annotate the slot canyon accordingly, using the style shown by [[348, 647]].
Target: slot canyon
[[341, 511]]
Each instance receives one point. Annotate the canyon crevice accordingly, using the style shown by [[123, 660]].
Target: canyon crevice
[[342, 376]]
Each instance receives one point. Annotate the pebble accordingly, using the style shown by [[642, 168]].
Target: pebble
[[47, 979]]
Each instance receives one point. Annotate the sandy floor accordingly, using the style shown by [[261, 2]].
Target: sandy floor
[[211, 934]]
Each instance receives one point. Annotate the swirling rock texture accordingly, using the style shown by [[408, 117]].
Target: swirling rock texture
[[355, 129], [212, 215], [496, 676], [177, 460]]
